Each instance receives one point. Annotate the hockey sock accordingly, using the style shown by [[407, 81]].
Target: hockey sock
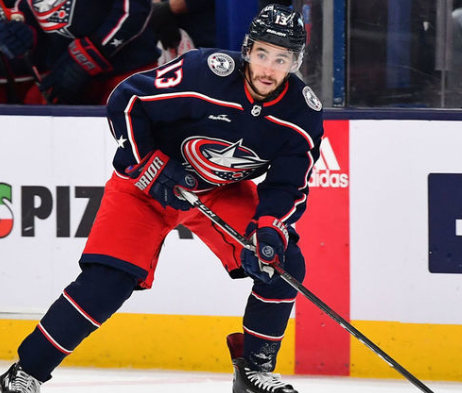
[[265, 321], [84, 305], [268, 312]]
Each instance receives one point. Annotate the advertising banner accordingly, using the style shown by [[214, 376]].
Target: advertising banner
[[445, 222], [322, 346], [381, 236], [47, 207]]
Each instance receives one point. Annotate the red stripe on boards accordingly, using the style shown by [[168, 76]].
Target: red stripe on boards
[[322, 346]]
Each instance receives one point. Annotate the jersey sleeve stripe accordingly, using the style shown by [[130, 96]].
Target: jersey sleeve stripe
[[121, 21], [191, 94], [300, 130], [128, 124], [305, 185], [294, 209], [166, 96], [111, 127]]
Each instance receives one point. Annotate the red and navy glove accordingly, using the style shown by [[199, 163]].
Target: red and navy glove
[[72, 72], [16, 38], [270, 237], [158, 175]]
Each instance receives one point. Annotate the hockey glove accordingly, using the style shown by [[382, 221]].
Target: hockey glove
[[157, 175], [73, 71], [164, 25], [16, 38], [270, 237]]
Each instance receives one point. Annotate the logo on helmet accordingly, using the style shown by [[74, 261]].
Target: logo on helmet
[[282, 19], [276, 32]]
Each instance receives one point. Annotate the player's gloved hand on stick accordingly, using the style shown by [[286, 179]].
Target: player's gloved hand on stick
[[165, 25], [157, 175], [270, 237], [71, 73], [16, 38]]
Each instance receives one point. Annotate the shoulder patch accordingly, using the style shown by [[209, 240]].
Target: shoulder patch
[[311, 99], [221, 64]]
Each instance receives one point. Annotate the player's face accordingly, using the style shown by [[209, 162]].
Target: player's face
[[268, 67]]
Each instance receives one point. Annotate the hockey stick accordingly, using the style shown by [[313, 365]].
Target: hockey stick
[[194, 200]]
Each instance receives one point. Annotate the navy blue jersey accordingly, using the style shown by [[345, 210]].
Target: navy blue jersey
[[197, 110], [116, 27]]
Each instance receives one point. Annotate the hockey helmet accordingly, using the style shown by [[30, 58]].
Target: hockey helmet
[[280, 26]]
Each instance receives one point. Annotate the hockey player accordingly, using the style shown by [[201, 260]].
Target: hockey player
[[208, 121], [81, 48]]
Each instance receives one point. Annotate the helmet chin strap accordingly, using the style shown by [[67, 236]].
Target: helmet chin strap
[[269, 97]]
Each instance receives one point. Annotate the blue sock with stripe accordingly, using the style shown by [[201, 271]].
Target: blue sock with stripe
[[267, 314], [84, 305]]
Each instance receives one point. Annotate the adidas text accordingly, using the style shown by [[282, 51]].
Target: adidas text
[[327, 179]]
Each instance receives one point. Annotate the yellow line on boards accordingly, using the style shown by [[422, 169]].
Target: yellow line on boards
[[176, 342]]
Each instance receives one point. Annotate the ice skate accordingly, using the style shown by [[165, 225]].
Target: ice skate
[[16, 380], [249, 381]]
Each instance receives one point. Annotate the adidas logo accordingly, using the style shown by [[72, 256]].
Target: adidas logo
[[327, 171]]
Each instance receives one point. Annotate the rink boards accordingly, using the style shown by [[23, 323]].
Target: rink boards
[[382, 237]]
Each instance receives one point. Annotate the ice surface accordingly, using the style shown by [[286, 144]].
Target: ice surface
[[89, 380]]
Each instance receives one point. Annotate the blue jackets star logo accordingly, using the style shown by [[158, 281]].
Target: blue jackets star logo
[[220, 162]]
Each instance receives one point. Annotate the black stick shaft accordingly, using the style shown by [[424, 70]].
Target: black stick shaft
[[195, 201]]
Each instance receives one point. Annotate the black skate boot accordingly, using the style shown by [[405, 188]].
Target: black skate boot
[[249, 381], [16, 380]]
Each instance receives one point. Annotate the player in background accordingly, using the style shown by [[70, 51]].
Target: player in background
[[209, 121], [182, 25], [196, 17], [81, 48]]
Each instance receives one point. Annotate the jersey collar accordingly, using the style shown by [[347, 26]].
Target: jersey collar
[[269, 103]]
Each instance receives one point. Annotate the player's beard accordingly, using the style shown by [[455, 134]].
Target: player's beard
[[250, 77]]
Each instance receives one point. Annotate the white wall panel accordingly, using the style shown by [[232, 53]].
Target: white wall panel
[[75, 152], [389, 165]]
